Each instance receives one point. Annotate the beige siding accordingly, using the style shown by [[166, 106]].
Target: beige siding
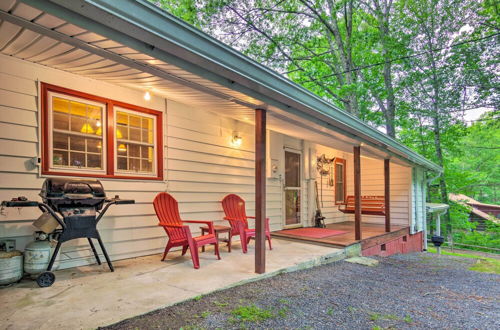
[[203, 167]]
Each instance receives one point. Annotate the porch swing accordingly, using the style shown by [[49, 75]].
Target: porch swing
[[372, 205]]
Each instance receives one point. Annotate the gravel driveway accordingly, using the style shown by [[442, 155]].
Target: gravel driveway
[[406, 291]]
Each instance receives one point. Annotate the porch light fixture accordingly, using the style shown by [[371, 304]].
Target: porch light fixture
[[236, 140], [147, 96]]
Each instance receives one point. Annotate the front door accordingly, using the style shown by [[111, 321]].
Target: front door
[[292, 188]]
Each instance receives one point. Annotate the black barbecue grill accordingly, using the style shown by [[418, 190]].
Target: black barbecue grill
[[77, 205]]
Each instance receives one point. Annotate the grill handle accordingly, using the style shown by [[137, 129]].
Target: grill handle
[[112, 201], [124, 201]]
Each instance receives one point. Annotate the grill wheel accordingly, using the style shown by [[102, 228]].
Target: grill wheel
[[46, 279]]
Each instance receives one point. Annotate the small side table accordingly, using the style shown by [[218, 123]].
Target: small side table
[[218, 230]]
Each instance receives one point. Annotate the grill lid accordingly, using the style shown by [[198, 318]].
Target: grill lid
[[72, 188]]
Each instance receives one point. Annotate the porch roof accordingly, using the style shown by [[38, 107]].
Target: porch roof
[[152, 44]]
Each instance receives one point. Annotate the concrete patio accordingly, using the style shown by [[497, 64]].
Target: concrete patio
[[91, 296]]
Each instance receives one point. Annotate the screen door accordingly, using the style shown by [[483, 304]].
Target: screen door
[[292, 188]]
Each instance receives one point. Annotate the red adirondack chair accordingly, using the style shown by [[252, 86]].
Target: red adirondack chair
[[234, 208], [167, 210]]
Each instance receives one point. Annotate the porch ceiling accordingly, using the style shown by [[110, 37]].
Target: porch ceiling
[[34, 35]]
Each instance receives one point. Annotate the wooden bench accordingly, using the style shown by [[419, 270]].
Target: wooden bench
[[373, 205]]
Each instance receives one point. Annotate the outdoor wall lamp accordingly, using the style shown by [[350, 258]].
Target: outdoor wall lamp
[[147, 96], [236, 140]]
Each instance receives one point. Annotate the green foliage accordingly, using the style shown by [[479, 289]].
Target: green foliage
[[474, 170], [251, 313], [486, 239]]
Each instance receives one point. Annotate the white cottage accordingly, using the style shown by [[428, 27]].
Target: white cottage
[[124, 92]]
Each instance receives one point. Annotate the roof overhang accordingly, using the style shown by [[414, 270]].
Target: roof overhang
[[141, 26]]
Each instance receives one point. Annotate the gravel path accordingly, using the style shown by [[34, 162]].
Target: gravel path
[[405, 291]]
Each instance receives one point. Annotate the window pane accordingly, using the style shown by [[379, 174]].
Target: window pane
[[135, 121], [77, 159], [122, 163], [135, 134], [60, 105], [122, 118], [60, 158], [78, 109], [134, 164], [79, 124], [94, 161], [77, 143], [122, 132], [339, 172], [292, 208], [94, 145], [292, 169], [121, 148], [147, 123], [61, 121], [60, 141], [339, 183], [134, 150], [146, 166]]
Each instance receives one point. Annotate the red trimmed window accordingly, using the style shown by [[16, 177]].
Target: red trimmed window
[[92, 136], [340, 183]]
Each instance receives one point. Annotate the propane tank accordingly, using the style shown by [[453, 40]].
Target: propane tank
[[37, 255], [11, 263]]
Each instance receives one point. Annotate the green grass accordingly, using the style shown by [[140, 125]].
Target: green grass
[[378, 316], [408, 319], [251, 313], [329, 311], [221, 304], [483, 264], [283, 301], [486, 266]]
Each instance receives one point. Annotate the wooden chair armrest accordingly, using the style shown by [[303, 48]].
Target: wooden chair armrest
[[210, 224]]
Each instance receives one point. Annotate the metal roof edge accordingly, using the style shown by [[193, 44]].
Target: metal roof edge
[[152, 19]]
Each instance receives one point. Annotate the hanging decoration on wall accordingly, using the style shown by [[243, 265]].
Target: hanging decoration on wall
[[324, 166]]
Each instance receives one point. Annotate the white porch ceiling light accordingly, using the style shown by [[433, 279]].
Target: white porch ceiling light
[[236, 140], [147, 96]]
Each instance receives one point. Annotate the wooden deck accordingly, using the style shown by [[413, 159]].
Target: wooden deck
[[372, 234]]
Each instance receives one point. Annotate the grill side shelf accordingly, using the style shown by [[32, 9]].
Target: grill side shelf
[[19, 203]]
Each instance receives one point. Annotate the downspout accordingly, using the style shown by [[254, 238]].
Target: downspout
[[429, 181]]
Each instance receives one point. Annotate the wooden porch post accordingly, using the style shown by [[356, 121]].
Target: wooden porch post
[[260, 191], [357, 192], [387, 194]]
